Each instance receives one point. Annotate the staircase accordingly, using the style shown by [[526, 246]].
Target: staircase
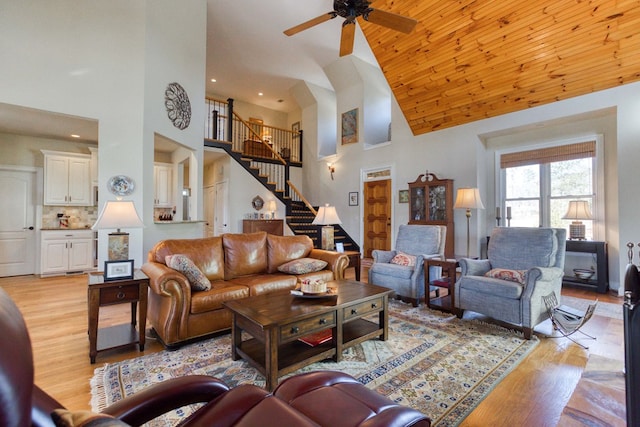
[[273, 174]]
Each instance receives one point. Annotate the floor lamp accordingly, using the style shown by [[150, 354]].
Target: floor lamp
[[327, 217], [468, 198], [118, 214]]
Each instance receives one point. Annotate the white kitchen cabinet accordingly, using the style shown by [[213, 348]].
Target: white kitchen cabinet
[[163, 185], [66, 251], [67, 179]]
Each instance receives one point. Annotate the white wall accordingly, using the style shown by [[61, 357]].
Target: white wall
[[94, 59]]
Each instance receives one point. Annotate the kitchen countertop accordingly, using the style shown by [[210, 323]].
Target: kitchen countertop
[[65, 228]]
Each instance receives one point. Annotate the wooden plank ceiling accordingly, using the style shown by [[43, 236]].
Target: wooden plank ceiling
[[469, 60]]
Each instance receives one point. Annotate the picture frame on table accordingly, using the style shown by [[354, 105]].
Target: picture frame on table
[[118, 270], [403, 196], [353, 198], [340, 247]]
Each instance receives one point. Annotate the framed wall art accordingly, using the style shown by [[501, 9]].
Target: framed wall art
[[350, 126], [353, 198], [403, 196], [118, 270]]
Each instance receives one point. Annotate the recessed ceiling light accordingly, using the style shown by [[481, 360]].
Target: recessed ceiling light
[[260, 93], [73, 135], [213, 80]]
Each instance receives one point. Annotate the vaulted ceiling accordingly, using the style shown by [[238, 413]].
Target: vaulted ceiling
[[468, 60]]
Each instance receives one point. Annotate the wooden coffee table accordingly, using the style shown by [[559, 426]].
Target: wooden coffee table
[[275, 322]]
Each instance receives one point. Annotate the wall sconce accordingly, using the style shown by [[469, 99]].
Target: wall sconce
[[118, 214], [332, 169]]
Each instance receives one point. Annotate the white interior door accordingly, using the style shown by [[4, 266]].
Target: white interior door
[[17, 222], [209, 202], [221, 220]]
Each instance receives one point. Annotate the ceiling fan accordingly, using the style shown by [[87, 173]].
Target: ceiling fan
[[350, 10]]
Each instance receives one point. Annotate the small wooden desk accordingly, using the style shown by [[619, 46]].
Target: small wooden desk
[[101, 293]]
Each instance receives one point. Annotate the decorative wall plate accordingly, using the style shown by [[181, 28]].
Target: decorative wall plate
[[178, 106], [257, 203], [121, 185]]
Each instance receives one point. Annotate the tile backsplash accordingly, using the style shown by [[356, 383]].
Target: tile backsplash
[[78, 216]]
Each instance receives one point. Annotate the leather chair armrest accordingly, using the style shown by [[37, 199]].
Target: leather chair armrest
[[162, 397], [474, 267], [337, 262], [41, 408]]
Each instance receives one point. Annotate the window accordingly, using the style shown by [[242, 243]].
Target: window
[[538, 184]]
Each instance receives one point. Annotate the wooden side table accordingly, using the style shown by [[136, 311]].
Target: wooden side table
[[101, 293], [354, 261], [445, 303]]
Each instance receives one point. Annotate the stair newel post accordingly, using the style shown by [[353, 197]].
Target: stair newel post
[[230, 119], [300, 145], [214, 124]]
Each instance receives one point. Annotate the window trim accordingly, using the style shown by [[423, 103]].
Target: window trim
[[598, 206]]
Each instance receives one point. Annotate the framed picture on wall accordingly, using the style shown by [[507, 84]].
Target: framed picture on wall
[[353, 198], [403, 196], [350, 126]]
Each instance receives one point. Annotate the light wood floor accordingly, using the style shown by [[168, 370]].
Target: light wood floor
[[55, 309]]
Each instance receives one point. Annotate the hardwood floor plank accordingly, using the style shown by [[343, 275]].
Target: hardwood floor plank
[[535, 393]]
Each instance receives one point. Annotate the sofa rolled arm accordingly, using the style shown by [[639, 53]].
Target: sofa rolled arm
[[336, 261], [159, 277], [474, 267]]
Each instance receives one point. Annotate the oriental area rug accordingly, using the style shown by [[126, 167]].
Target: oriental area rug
[[434, 362]]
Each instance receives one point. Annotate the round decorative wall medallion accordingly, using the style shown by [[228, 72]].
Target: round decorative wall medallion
[[257, 203], [121, 185], [178, 106]]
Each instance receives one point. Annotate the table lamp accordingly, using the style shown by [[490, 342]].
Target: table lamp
[[271, 207], [118, 214], [578, 210], [327, 217], [468, 198]]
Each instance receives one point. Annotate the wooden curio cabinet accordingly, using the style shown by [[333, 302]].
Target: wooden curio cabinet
[[431, 202]]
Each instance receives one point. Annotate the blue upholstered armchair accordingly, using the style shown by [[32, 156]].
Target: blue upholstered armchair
[[419, 241], [523, 265]]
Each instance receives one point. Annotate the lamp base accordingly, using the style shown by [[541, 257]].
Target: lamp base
[[118, 246], [326, 240], [577, 231]]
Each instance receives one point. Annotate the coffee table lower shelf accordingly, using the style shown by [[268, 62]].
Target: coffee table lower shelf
[[295, 354]]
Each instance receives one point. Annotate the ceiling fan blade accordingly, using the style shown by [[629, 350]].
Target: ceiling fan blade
[[391, 20], [310, 23], [347, 37]]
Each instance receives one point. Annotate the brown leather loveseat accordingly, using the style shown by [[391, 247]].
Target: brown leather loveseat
[[237, 266]]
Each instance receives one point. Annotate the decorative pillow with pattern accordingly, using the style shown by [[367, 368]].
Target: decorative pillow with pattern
[[404, 259], [184, 265], [518, 276], [302, 266]]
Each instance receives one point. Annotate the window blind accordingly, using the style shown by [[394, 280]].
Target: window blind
[[559, 153]]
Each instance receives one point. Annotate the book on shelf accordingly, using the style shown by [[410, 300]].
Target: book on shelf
[[443, 282], [317, 338]]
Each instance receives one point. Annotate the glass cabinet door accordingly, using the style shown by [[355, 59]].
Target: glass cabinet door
[[418, 204], [437, 203]]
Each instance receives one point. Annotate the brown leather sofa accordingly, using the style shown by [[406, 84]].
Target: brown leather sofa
[[322, 398], [238, 266]]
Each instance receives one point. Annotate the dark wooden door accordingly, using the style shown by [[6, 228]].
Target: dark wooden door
[[377, 216]]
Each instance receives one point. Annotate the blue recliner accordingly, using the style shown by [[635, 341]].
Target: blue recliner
[[421, 241], [524, 264]]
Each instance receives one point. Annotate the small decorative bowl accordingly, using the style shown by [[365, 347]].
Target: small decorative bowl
[[583, 273]]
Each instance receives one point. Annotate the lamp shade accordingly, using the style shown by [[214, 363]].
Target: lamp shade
[[118, 214], [271, 206], [468, 198], [578, 210], [327, 215]]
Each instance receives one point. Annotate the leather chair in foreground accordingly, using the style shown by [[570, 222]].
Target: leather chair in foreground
[[322, 398]]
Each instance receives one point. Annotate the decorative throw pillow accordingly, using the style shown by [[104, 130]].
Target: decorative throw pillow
[[302, 266], [66, 418], [404, 259], [184, 265], [510, 275]]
